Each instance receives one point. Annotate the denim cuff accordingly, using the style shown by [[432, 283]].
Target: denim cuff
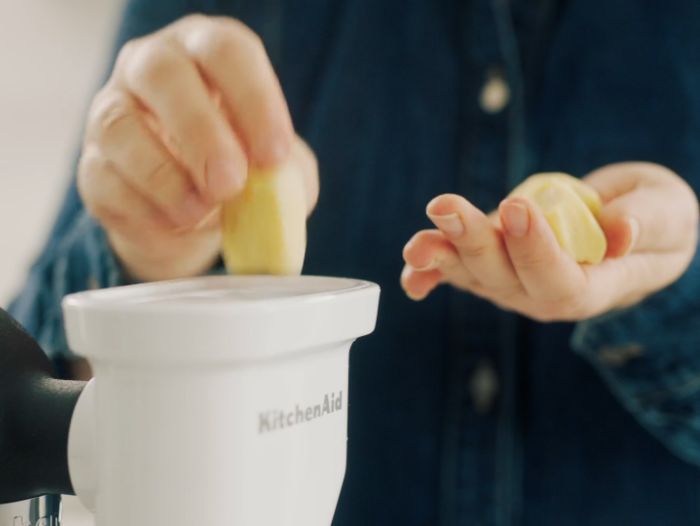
[[84, 260], [649, 355], [654, 344]]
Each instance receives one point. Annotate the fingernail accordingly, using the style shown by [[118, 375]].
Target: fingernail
[[404, 273], [193, 209], [224, 178], [432, 265], [414, 297], [410, 258], [516, 218], [450, 224], [634, 234]]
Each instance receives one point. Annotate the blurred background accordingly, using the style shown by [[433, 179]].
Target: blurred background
[[53, 55]]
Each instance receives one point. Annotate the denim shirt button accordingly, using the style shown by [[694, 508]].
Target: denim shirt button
[[483, 387], [495, 94]]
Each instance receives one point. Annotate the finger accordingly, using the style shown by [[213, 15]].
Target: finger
[[626, 281], [170, 86], [546, 272], [141, 235], [616, 179], [118, 126], [613, 180], [429, 250], [233, 58], [304, 157], [478, 243], [651, 217], [113, 202], [417, 284]]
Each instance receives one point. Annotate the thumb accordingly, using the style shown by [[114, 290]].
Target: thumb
[[643, 219], [305, 159], [621, 230], [647, 208]]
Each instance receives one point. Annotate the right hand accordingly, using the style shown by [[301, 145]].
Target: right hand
[[171, 135]]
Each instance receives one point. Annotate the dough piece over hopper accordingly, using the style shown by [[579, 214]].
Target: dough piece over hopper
[[264, 227]]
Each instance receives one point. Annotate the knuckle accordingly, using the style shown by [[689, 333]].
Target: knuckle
[[202, 127], [90, 157], [161, 175], [474, 250], [410, 247], [654, 172], [194, 19], [203, 131], [421, 241], [231, 40], [253, 43], [507, 292], [98, 186], [542, 316], [476, 285], [534, 259], [219, 46], [102, 212], [83, 182], [550, 311], [151, 63], [464, 280], [568, 308], [246, 36], [94, 202], [90, 165], [424, 236], [109, 109], [126, 52], [112, 219]]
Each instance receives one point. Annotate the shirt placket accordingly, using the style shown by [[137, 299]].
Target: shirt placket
[[481, 482]]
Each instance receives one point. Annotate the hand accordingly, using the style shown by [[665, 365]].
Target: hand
[[512, 258], [171, 135]]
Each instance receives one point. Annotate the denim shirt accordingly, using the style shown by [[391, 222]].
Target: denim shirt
[[462, 414]]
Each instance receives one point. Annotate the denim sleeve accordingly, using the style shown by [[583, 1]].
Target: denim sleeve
[[650, 357], [76, 255], [79, 259]]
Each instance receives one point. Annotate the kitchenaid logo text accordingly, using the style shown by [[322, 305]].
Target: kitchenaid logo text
[[277, 420]]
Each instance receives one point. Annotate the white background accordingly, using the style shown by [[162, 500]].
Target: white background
[[52, 56]]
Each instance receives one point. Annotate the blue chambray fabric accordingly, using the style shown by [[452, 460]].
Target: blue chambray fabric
[[590, 424]]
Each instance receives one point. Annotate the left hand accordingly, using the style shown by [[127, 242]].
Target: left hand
[[512, 258]]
